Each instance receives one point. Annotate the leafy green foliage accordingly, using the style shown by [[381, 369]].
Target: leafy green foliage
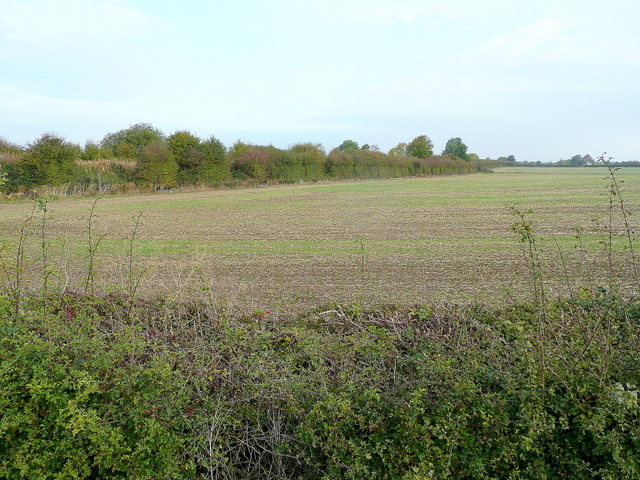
[[368, 164], [199, 162], [420, 147], [348, 145], [250, 162], [81, 403], [128, 143], [49, 160], [212, 165], [3, 178], [157, 165], [92, 151], [429, 392], [456, 148], [339, 165], [310, 157], [399, 150], [132, 157], [184, 145]]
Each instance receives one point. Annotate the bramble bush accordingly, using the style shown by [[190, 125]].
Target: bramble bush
[[83, 399], [440, 392]]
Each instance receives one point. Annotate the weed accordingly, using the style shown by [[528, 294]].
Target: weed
[[92, 244], [14, 273], [618, 202], [134, 276]]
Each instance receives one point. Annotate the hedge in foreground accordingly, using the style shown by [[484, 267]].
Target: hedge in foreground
[[97, 388]]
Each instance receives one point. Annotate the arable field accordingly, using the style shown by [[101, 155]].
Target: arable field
[[299, 246]]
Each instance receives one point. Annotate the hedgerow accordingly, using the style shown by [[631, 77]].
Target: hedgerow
[[93, 390]]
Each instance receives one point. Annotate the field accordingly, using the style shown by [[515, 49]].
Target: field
[[403, 241]]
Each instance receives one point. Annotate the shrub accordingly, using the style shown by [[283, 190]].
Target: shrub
[[205, 163], [78, 402], [157, 166], [8, 149], [102, 387], [92, 151], [310, 157], [251, 164], [50, 160], [339, 165], [128, 143]]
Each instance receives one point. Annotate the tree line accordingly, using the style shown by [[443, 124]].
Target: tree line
[[575, 161], [143, 155]]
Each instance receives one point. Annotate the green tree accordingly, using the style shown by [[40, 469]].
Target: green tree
[[284, 166], [157, 165], [576, 161], [370, 164], [9, 153], [183, 145], [248, 161], [199, 162], [213, 165], [9, 149], [50, 160], [91, 151], [399, 150], [239, 148], [129, 142], [348, 145], [456, 148], [420, 147]]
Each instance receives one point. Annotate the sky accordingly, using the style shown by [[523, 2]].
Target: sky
[[541, 80]]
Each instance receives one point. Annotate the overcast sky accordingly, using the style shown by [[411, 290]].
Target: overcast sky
[[541, 80]]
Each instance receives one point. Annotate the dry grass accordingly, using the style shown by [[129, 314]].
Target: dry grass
[[104, 165], [398, 241]]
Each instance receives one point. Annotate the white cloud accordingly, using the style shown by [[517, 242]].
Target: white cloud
[[557, 42], [383, 12], [73, 48], [565, 56], [35, 21], [18, 103], [525, 41]]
